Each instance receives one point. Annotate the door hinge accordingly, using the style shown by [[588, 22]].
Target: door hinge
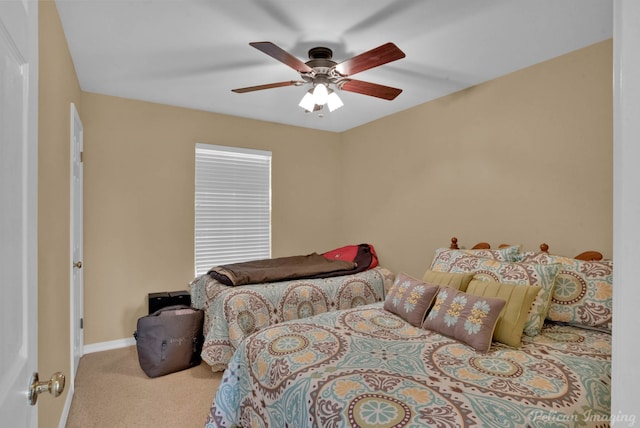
[[81, 323], [81, 157]]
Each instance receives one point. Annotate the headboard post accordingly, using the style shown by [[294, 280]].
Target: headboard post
[[544, 247], [454, 244]]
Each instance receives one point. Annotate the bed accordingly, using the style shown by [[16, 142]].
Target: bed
[[376, 365], [234, 312]]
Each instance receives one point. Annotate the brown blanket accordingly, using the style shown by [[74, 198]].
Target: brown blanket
[[278, 269]]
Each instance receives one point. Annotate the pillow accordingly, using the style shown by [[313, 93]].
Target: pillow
[[459, 281], [410, 298], [582, 293], [445, 256], [464, 317], [542, 275], [519, 299], [506, 254]]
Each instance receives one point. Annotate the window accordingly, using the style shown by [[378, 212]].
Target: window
[[233, 206]]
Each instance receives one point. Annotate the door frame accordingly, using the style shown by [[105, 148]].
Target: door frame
[[76, 277]]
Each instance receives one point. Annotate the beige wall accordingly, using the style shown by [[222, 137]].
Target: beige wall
[[58, 87], [139, 189], [524, 159]]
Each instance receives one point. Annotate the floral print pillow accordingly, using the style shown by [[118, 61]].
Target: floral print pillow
[[465, 317], [582, 292], [444, 257], [410, 298]]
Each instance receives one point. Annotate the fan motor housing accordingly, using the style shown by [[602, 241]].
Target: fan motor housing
[[320, 57], [320, 52]]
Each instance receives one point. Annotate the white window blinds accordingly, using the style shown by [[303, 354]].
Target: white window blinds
[[233, 206]]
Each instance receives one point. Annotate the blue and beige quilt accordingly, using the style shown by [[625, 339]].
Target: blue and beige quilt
[[233, 313], [366, 367]]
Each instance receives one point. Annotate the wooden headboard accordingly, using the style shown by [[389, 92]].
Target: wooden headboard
[[586, 255]]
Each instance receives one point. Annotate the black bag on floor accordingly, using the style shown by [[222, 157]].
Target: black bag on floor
[[169, 340]]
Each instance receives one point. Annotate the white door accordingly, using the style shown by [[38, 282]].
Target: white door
[[77, 276], [18, 209]]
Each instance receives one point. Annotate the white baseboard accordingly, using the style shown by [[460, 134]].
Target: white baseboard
[[107, 346]]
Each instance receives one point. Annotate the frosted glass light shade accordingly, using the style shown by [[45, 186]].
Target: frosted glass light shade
[[307, 102], [320, 94], [334, 102]]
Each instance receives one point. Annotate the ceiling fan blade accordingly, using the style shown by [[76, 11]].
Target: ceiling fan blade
[[371, 89], [267, 86], [282, 56], [377, 56]]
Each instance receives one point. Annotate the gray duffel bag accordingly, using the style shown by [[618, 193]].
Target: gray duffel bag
[[169, 340]]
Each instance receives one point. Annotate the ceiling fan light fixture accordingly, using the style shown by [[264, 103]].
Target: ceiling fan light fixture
[[333, 101], [307, 102]]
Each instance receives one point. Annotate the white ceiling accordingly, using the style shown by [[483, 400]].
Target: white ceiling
[[191, 53]]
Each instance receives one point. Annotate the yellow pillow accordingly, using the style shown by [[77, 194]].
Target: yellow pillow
[[458, 281], [514, 314]]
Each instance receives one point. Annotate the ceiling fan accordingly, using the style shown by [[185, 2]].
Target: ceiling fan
[[321, 71]]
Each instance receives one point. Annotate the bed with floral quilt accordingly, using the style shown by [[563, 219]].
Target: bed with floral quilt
[[505, 339], [232, 313]]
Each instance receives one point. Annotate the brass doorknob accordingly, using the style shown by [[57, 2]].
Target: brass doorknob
[[55, 386], [77, 264]]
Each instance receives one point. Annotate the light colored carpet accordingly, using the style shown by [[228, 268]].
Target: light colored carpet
[[111, 390]]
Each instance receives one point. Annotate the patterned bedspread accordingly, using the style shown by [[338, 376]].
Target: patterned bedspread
[[232, 313], [367, 367]]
